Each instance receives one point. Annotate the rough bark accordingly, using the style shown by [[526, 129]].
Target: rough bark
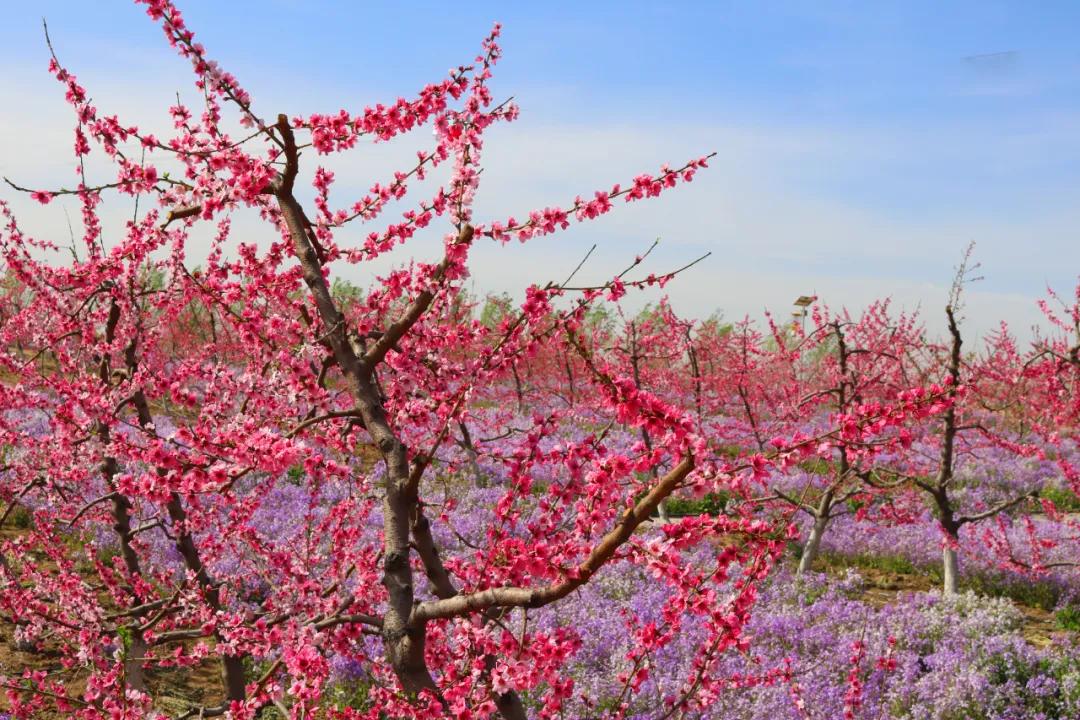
[[404, 624], [135, 646], [233, 676], [403, 640], [946, 512]]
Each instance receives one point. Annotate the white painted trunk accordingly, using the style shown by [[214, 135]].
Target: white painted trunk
[[813, 544], [951, 564], [478, 474]]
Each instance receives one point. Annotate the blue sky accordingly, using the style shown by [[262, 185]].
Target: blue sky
[[861, 145]]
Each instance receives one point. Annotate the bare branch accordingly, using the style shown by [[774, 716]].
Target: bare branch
[[999, 508]]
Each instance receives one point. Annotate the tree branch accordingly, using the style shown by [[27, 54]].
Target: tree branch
[[538, 597], [999, 508]]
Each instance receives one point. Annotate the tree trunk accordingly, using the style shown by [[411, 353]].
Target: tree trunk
[[661, 510], [233, 675], [951, 564], [813, 543], [950, 526], [570, 378], [509, 703], [134, 656], [518, 388], [472, 455], [135, 650]]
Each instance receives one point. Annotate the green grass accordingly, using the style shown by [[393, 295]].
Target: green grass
[[20, 517], [1032, 593], [1068, 618], [1064, 499], [885, 563], [710, 504]]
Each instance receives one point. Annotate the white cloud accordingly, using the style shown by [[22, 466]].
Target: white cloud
[[773, 234]]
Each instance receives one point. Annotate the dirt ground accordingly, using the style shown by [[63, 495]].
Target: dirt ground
[[177, 689]]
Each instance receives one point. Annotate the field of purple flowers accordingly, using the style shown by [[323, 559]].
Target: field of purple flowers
[[820, 645], [914, 654]]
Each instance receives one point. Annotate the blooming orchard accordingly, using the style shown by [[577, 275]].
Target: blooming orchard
[[245, 464]]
